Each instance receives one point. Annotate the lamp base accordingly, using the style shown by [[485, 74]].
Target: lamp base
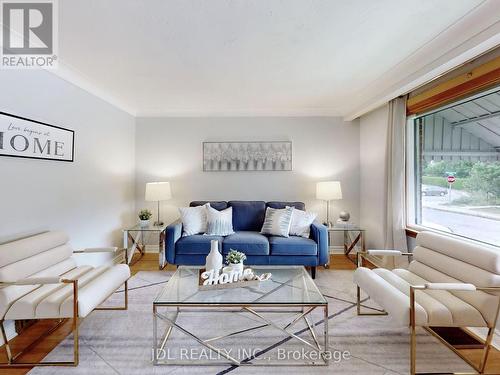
[[158, 223]]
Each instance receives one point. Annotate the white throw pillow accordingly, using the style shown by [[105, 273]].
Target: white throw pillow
[[301, 223], [277, 221], [219, 223], [194, 219]]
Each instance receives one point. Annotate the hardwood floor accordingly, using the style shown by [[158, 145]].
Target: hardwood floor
[[149, 262]]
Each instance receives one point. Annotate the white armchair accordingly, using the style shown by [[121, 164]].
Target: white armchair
[[449, 283], [39, 279]]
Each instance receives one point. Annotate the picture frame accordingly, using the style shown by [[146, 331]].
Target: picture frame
[[21, 137], [247, 156]]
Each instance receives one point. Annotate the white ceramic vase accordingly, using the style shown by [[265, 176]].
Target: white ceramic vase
[[237, 267], [214, 258], [144, 223]]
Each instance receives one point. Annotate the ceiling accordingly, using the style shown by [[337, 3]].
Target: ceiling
[[253, 57]]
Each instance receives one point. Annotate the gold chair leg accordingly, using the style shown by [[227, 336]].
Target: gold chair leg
[[486, 352], [413, 337], [6, 343], [124, 307]]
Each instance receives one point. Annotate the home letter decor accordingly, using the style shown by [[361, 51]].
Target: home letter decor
[[24, 138]]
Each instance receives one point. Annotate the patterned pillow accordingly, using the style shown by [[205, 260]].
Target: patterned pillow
[[277, 221], [301, 223], [194, 219], [219, 223]]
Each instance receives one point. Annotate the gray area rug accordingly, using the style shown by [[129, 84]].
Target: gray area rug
[[119, 342]]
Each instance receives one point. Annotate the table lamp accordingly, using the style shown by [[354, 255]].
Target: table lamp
[[158, 191], [327, 191]]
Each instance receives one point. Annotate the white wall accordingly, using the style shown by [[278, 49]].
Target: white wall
[[372, 150], [92, 198], [324, 148]]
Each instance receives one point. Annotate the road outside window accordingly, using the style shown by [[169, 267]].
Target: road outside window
[[454, 169]]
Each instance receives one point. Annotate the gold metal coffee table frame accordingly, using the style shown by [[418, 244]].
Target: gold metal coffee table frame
[[256, 309], [480, 368]]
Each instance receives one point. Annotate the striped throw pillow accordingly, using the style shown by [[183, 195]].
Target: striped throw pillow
[[219, 223], [277, 221]]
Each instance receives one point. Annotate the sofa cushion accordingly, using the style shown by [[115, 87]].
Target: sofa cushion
[[280, 205], [292, 246], [250, 243], [248, 215], [196, 244], [218, 205]]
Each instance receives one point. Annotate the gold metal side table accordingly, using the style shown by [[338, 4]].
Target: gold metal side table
[[136, 238], [353, 236]]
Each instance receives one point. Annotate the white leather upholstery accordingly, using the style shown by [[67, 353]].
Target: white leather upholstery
[[482, 256], [24, 248], [456, 268], [438, 259], [49, 255], [36, 263]]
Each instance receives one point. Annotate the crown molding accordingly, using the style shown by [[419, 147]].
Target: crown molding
[[75, 77], [305, 112], [429, 63]]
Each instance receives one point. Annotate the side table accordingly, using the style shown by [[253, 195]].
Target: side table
[[136, 238], [352, 236]]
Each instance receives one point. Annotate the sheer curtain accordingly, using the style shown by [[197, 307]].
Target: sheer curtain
[[395, 234]]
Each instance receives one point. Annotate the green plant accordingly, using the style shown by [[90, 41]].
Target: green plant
[[235, 257], [485, 178], [145, 214]]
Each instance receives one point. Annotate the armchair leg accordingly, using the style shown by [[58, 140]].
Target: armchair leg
[[358, 306], [12, 359], [313, 272], [484, 358], [125, 299]]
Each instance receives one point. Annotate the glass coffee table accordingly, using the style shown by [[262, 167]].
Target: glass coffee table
[[291, 290]]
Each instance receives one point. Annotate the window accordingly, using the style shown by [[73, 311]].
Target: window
[[453, 168]]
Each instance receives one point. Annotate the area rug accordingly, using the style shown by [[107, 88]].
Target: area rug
[[119, 342]]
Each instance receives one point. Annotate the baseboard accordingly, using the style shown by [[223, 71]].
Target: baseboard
[[336, 250], [152, 249]]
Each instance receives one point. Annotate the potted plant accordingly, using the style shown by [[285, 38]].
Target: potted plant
[[144, 216], [235, 260]]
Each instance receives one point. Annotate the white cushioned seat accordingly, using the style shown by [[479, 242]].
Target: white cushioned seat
[[25, 307], [96, 291], [50, 255], [438, 259]]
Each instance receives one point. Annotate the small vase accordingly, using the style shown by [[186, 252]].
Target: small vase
[[236, 267], [214, 258], [144, 223]]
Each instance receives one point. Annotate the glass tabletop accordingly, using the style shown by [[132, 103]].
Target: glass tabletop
[[352, 227], [149, 228], [288, 286]]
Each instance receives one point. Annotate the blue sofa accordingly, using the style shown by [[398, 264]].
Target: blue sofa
[[248, 217]]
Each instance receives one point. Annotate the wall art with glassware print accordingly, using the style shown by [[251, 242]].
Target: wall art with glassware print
[[247, 156]]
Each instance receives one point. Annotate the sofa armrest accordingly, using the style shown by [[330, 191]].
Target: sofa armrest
[[319, 233], [173, 233]]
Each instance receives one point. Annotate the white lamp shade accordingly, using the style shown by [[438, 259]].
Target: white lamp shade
[[158, 191], [328, 190]]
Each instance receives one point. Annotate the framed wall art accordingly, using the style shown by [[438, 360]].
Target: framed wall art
[[247, 156], [24, 138]]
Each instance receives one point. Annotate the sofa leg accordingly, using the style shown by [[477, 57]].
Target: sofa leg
[[313, 272]]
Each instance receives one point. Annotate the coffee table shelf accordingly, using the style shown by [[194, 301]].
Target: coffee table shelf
[[290, 291]]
